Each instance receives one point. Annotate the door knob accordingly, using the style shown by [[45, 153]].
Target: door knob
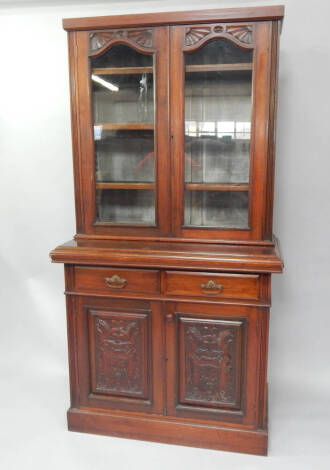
[[169, 317]]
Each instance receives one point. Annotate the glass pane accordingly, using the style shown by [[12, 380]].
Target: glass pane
[[220, 51], [123, 106], [218, 90], [225, 209], [127, 94], [126, 206], [125, 156]]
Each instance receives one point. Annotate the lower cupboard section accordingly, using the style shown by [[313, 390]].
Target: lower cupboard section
[[190, 373]]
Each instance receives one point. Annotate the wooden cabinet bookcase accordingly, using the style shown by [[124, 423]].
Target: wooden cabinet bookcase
[[168, 276]]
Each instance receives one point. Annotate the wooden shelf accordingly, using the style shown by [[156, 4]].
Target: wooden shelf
[[189, 68], [123, 185], [218, 67], [188, 186], [121, 70], [216, 187], [128, 126]]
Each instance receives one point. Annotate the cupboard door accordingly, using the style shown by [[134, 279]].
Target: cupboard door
[[118, 354], [220, 80], [123, 93], [211, 362]]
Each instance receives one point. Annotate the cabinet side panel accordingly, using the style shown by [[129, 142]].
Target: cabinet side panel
[[263, 329], [71, 312], [272, 129], [261, 125], [75, 130]]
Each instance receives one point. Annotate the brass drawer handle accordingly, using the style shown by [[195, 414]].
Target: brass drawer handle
[[211, 288], [115, 282]]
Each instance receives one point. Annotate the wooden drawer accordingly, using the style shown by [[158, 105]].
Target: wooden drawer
[[111, 280], [235, 286]]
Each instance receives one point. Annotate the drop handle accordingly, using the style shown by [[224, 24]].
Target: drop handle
[[211, 288], [115, 282]]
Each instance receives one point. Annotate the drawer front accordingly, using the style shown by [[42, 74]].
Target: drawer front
[[235, 286], [112, 280]]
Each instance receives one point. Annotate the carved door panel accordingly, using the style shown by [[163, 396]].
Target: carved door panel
[[210, 354], [118, 354]]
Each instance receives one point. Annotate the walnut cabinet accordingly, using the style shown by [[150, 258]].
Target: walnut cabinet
[[168, 277]]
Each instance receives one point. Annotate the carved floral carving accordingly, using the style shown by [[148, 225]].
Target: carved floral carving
[[242, 33], [194, 35], [209, 363], [141, 37], [119, 355]]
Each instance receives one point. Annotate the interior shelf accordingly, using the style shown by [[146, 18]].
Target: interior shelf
[[189, 68], [216, 187], [121, 70], [112, 185], [125, 126], [218, 67], [188, 186]]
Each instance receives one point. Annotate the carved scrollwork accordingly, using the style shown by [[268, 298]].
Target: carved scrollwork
[[242, 33], [210, 363], [119, 346], [194, 35], [141, 37]]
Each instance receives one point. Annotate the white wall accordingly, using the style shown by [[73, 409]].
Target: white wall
[[37, 213]]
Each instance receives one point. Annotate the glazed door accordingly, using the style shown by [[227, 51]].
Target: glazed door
[[118, 354], [212, 364], [123, 130], [219, 103]]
